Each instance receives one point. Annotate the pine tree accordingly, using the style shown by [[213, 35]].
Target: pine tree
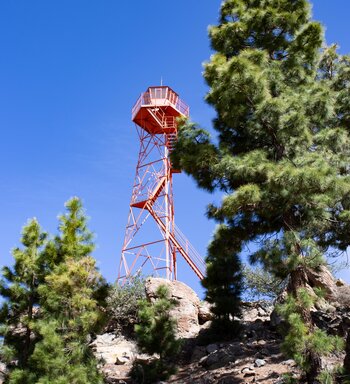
[[19, 288], [156, 333], [70, 308], [282, 116], [223, 282]]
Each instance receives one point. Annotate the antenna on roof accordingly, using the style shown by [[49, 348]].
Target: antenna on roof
[[161, 81]]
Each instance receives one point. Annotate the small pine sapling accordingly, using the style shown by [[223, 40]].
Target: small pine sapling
[[301, 342], [156, 334]]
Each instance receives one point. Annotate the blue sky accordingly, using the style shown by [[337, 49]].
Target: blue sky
[[70, 72]]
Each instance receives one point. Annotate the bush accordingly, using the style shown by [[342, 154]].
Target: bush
[[304, 342], [332, 376], [260, 284], [156, 334], [123, 304]]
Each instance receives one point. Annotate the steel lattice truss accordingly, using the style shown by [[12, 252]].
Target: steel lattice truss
[[152, 241]]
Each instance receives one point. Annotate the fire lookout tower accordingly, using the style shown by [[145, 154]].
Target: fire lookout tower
[[152, 241]]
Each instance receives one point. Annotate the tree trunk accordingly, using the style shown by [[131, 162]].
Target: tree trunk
[[298, 279], [315, 364]]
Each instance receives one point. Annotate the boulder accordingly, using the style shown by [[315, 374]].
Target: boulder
[[217, 359], [212, 348], [340, 283], [334, 323], [323, 278], [343, 296], [204, 313], [187, 310], [259, 363], [116, 374], [222, 356], [248, 371], [251, 311], [111, 349], [316, 278], [198, 353]]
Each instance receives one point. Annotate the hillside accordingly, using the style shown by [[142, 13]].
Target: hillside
[[254, 357]]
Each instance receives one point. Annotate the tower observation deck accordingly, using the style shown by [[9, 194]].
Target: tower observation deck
[[152, 241]]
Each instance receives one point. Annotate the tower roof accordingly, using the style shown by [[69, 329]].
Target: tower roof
[[158, 106]]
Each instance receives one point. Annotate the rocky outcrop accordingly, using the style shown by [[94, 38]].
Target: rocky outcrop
[[204, 312], [220, 355], [111, 349], [239, 362], [2, 372], [323, 278], [186, 312], [115, 355], [251, 311], [254, 357]]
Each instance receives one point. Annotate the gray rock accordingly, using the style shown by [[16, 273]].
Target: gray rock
[[2, 372], [198, 353], [323, 278], [217, 359], [256, 309], [121, 360], [108, 348], [247, 369], [235, 349], [206, 379], [275, 319], [248, 372], [290, 363], [115, 373], [212, 348], [145, 359], [204, 313], [228, 380], [260, 363]]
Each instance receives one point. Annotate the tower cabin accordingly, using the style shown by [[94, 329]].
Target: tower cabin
[[156, 110]]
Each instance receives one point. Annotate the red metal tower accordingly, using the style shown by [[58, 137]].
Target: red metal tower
[[154, 249]]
